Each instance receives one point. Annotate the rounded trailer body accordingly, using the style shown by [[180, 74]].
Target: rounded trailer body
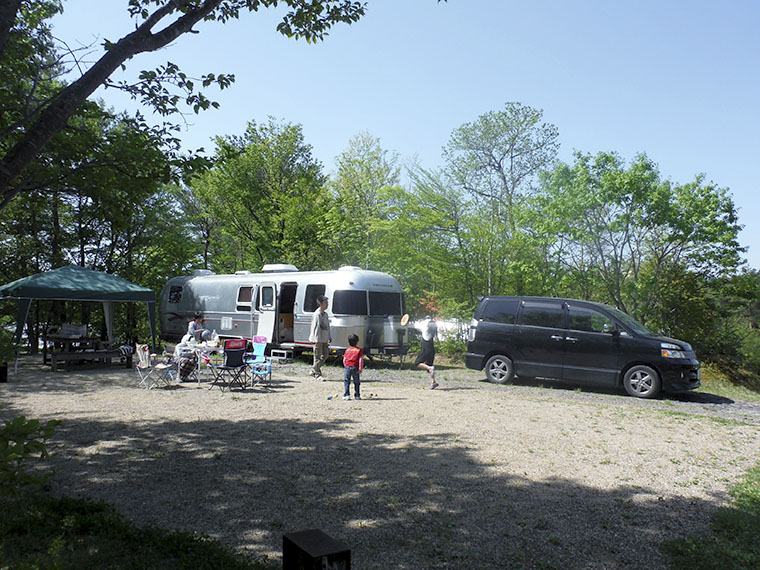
[[279, 302]]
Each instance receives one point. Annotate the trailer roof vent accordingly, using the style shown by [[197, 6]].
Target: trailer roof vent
[[279, 268], [242, 272], [349, 268], [202, 272]]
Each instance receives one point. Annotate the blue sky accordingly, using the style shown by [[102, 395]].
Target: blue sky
[[677, 80]]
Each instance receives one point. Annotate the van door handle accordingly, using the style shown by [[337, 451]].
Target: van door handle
[[571, 339], [557, 337]]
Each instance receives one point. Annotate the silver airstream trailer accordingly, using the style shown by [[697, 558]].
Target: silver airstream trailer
[[278, 304]]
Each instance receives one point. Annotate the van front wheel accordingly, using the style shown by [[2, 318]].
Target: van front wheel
[[641, 382], [499, 369]]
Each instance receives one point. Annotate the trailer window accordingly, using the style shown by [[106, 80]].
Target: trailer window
[[245, 294], [175, 294], [349, 303], [385, 303], [266, 297], [310, 297]]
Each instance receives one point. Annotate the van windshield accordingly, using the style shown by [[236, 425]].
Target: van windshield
[[629, 321]]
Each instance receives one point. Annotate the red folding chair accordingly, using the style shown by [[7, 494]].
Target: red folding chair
[[232, 370]]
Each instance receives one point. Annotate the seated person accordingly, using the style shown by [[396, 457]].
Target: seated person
[[196, 331]]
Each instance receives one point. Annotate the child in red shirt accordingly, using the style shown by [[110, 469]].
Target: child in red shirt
[[353, 364]]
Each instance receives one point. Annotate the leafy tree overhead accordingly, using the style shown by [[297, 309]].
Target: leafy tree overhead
[[267, 194], [93, 177], [48, 107], [495, 162], [625, 227], [362, 192], [102, 205]]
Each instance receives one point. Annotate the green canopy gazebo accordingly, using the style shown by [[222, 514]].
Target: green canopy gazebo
[[75, 283]]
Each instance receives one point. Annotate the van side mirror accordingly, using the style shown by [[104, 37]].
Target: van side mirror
[[610, 328]]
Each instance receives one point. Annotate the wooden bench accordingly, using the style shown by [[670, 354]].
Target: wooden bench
[[103, 356]]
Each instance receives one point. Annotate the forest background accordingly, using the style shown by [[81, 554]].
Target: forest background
[[113, 192]]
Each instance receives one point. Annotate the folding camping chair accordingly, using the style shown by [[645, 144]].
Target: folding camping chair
[[151, 373], [231, 371], [261, 366]]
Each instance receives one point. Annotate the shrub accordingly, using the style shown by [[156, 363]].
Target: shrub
[[21, 440], [452, 347], [750, 351]]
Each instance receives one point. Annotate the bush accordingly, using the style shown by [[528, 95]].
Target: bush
[[750, 351], [21, 440], [452, 348]]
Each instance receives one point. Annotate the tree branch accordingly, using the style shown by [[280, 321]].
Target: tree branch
[[55, 115]]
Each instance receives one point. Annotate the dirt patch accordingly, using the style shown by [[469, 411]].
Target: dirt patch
[[470, 475]]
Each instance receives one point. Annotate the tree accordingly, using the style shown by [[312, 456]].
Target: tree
[[497, 158], [267, 194], [362, 190], [610, 222], [162, 22], [495, 161], [102, 205]]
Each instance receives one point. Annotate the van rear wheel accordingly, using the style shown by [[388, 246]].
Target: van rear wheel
[[641, 381], [499, 369]]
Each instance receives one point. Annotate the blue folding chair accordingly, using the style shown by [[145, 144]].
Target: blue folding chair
[[232, 370], [261, 366]]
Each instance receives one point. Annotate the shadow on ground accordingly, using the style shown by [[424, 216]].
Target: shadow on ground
[[248, 482]]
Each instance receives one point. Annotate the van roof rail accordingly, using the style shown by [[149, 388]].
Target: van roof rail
[[202, 272]]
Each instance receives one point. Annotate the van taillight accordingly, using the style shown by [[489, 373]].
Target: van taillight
[[471, 332]]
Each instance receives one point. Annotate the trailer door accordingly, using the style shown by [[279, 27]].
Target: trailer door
[[243, 323], [267, 310]]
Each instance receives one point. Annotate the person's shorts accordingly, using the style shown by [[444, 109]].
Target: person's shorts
[[427, 354]]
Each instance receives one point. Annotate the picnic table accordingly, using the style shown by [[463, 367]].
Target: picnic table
[[69, 343], [103, 355]]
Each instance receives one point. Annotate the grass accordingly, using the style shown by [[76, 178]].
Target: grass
[[716, 380], [733, 543], [41, 532]]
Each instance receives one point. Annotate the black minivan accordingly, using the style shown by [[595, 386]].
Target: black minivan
[[576, 341]]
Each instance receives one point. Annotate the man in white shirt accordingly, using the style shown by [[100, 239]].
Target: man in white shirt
[[320, 336]]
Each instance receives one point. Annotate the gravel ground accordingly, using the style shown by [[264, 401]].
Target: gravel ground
[[470, 475]]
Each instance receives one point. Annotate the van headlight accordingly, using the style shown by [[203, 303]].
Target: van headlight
[[668, 350]]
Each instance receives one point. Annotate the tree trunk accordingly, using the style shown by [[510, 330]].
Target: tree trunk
[[8, 12]]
